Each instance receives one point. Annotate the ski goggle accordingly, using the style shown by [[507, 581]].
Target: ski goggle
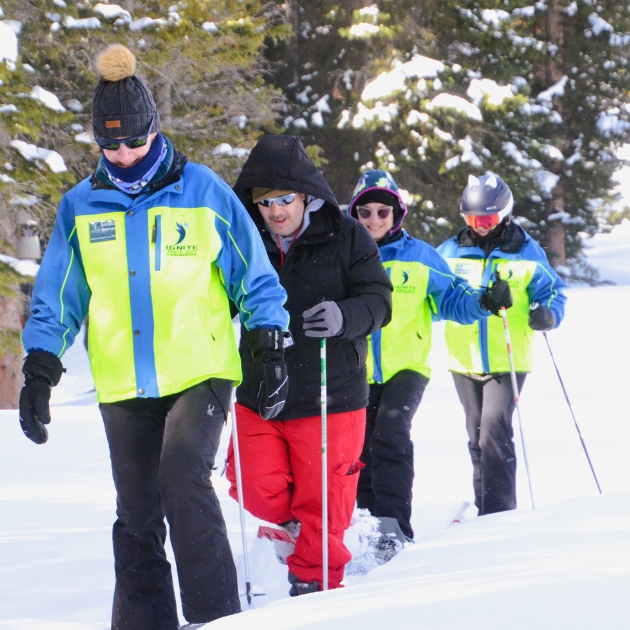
[[134, 142], [365, 213], [285, 200], [485, 221]]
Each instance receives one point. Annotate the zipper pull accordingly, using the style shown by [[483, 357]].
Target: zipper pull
[[154, 231]]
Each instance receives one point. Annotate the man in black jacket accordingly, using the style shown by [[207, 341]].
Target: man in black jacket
[[338, 289]]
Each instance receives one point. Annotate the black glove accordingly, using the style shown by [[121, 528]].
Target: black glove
[[268, 382], [42, 371], [541, 317], [496, 296], [323, 320]]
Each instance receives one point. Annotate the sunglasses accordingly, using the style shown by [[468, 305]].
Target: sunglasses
[[285, 200], [485, 221], [366, 213], [134, 142]]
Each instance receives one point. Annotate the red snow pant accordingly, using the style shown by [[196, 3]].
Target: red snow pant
[[282, 481]]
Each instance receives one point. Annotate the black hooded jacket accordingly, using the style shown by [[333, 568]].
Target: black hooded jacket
[[333, 259]]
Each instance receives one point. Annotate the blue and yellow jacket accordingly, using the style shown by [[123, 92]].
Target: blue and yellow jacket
[[480, 348], [425, 289], [154, 273]]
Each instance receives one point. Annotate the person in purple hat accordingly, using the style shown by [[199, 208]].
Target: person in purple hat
[[425, 289]]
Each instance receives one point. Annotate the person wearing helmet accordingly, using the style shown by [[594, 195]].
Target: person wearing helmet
[[398, 355], [493, 246]]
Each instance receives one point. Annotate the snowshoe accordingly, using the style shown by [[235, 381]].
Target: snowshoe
[[293, 528], [390, 541], [284, 539], [385, 548], [458, 517]]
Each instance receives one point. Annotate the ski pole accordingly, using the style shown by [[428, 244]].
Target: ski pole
[[324, 468], [572, 414], [515, 391], [241, 507]]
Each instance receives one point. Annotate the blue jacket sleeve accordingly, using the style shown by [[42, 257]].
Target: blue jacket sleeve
[[61, 294], [250, 279], [546, 287], [450, 296]]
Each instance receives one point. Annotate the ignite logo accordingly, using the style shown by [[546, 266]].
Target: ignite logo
[[178, 249], [404, 287], [507, 275]]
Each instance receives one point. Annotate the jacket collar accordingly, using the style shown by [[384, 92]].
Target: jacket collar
[[173, 174], [513, 238], [392, 237]]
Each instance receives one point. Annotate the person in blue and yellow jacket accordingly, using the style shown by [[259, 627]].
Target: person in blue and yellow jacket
[[492, 246], [425, 289], [153, 247]]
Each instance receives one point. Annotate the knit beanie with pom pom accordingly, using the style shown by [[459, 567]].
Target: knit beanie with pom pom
[[122, 105]]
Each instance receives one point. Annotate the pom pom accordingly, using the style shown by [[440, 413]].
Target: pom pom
[[116, 63]]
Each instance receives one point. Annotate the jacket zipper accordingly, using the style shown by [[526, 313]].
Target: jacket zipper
[[156, 239], [483, 325]]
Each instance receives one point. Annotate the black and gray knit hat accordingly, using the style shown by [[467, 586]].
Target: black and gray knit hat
[[122, 105]]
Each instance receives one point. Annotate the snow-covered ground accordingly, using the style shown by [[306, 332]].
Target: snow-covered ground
[[565, 564]]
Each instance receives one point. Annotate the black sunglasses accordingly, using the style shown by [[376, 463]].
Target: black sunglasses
[[366, 213], [134, 142], [285, 200]]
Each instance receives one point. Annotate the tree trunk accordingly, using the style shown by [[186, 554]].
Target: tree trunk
[[11, 381], [164, 102], [293, 62], [554, 71], [555, 245], [11, 377], [129, 5], [13, 305], [556, 251]]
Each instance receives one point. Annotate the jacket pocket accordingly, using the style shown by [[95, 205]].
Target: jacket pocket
[[342, 491], [359, 352]]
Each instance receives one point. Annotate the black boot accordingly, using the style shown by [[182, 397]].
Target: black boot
[[301, 588]]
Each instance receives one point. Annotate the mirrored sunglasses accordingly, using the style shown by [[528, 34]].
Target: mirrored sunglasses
[[134, 142], [485, 221], [365, 212], [285, 200]]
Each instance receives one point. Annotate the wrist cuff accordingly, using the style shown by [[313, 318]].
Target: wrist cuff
[[44, 366]]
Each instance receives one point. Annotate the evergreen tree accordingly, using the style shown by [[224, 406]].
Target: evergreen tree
[[560, 147], [537, 94], [201, 59]]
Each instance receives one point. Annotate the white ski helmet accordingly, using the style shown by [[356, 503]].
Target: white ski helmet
[[486, 201]]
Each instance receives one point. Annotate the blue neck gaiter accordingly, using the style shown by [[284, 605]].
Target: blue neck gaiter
[[133, 180]]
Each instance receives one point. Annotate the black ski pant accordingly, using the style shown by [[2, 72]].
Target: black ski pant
[[488, 403], [162, 452], [386, 481]]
